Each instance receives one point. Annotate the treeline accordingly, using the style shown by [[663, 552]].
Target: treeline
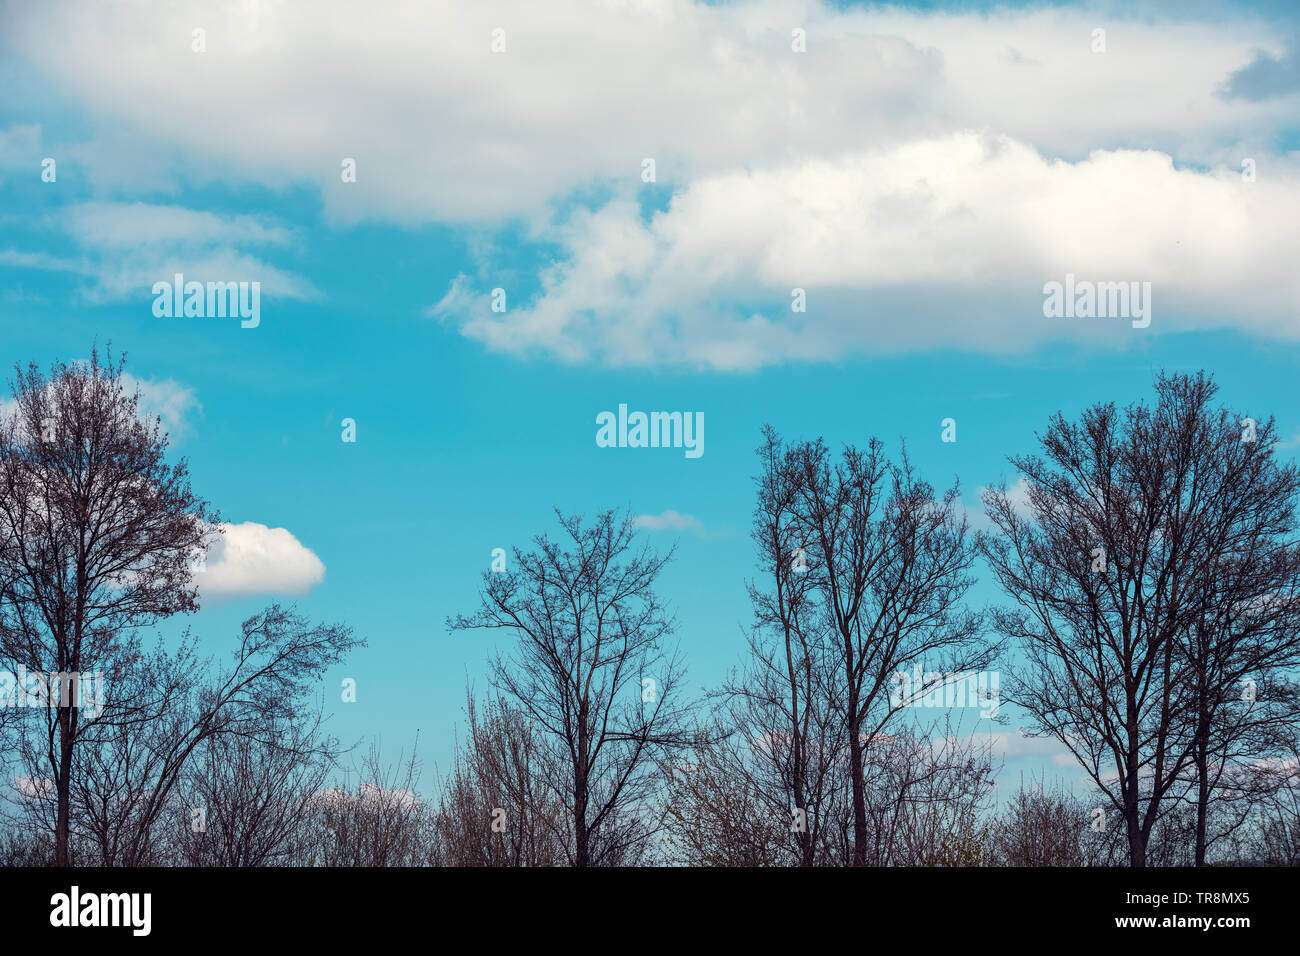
[[1149, 564]]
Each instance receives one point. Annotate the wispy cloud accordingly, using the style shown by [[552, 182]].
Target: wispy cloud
[[669, 520], [168, 400], [127, 247], [1018, 744]]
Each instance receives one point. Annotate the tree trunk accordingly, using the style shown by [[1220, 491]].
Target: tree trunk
[[802, 837], [1137, 847], [859, 784], [1202, 787], [63, 820], [582, 852], [1137, 839]]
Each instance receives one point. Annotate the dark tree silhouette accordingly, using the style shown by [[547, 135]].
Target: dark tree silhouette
[[888, 567], [498, 805], [136, 760], [786, 696], [591, 672], [97, 537], [1153, 565]]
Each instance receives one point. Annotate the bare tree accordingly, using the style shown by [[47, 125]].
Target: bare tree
[[779, 744], [862, 571], [1040, 827], [498, 806], [380, 822], [1133, 604], [97, 536], [785, 704], [131, 767], [888, 565], [591, 672], [1242, 641], [927, 791], [717, 814], [1275, 838], [244, 799]]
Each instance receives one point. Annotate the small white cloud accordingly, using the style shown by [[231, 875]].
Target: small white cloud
[[42, 261], [168, 399], [370, 796], [1017, 493], [457, 300], [400, 798], [1018, 744], [250, 559], [668, 521], [32, 789]]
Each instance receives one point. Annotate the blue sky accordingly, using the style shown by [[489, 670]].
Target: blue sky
[[920, 172]]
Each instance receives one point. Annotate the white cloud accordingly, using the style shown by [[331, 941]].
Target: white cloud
[[108, 225], [398, 798], [1019, 495], [443, 128], [127, 247], [944, 242], [1010, 745], [369, 795], [167, 399], [921, 175], [33, 789], [42, 261], [251, 559], [669, 520]]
